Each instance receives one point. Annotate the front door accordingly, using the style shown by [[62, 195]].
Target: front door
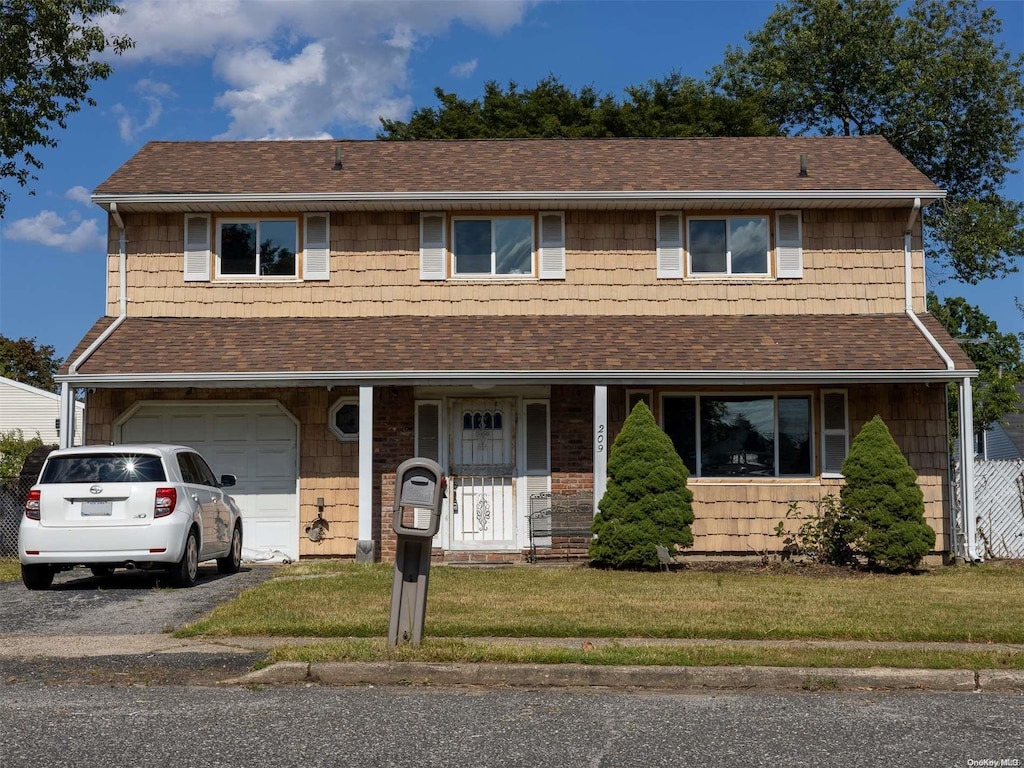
[[481, 511]]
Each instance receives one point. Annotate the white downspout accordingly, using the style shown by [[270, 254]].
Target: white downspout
[[967, 471], [966, 401], [66, 391], [908, 276]]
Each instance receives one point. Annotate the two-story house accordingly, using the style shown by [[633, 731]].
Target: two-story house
[[311, 313]]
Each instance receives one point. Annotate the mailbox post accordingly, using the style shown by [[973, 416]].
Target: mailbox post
[[419, 484]]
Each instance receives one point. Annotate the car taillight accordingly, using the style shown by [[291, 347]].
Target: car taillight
[[166, 498], [32, 505]]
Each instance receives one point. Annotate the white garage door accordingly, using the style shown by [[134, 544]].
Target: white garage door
[[256, 442]]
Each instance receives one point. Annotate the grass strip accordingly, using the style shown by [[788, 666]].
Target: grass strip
[[331, 599], [10, 570], [451, 651]]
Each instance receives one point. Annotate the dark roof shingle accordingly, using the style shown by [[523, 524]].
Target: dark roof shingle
[[862, 163], [482, 345]]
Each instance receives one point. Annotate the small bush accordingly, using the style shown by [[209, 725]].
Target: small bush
[[14, 449], [646, 502], [887, 506], [824, 536]]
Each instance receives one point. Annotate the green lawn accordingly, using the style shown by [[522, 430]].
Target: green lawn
[[977, 604], [10, 570]]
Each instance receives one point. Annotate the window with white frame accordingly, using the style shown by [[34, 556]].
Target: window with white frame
[[257, 247], [727, 245], [492, 247], [756, 435], [343, 419]]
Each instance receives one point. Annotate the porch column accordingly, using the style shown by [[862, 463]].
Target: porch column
[[967, 472], [600, 443], [67, 416], [365, 551]]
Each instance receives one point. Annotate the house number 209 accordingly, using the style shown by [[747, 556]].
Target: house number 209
[[600, 438]]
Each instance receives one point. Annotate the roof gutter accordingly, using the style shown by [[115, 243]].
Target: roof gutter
[[384, 378], [106, 200]]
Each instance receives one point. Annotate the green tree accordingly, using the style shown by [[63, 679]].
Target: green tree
[[882, 496], [646, 502], [25, 361], [14, 449], [998, 357], [48, 61], [674, 106], [934, 82]]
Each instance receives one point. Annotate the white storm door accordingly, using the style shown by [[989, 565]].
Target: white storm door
[[481, 513]]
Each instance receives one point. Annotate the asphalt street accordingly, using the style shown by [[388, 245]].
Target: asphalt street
[[61, 725]]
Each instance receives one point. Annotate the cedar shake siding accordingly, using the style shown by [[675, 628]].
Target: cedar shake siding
[[852, 264]]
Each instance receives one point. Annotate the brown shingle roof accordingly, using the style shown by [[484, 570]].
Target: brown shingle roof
[[491, 345], [866, 163]]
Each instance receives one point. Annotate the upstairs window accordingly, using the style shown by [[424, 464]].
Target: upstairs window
[[493, 247], [729, 245], [257, 247]]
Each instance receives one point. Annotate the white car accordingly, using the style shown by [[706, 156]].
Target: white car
[[133, 506]]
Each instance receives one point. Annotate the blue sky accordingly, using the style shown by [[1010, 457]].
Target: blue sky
[[250, 69]]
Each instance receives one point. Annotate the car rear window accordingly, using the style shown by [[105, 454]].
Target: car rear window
[[103, 468]]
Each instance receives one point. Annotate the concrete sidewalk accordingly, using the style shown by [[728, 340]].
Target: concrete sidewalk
[[154, 648]]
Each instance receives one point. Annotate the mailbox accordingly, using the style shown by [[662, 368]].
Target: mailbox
[[419, 484]]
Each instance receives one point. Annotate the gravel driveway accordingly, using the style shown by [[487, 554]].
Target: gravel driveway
[[127, 603]]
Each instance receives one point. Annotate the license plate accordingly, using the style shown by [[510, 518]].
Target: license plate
[[97, 508]]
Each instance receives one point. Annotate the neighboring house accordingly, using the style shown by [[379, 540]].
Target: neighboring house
[[34, 411], [311, 313], [1004, 439]]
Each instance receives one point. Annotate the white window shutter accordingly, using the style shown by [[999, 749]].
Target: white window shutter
[[552, 246], [197, 247], [428, 446], [835, 435], [317, 262], [789, 250], [670, 245], [432, 247]]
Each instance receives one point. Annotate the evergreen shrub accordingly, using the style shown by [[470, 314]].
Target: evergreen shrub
[[882, 495], [646, 502]]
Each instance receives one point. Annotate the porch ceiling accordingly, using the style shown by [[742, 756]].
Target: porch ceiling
[[483, 349]]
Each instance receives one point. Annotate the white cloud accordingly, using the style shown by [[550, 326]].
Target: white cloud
[[79, 195], [154, 88], [295, 68], [465, 69], [152, 94], [49, 229]]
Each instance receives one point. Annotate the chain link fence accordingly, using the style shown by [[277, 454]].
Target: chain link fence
[[13, 491]]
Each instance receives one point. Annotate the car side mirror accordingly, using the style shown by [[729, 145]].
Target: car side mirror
[[226, 481]]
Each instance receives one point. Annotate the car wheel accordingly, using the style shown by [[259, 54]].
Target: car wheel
[[233, 561], [184, 572], [101, 571], [37, 576]]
